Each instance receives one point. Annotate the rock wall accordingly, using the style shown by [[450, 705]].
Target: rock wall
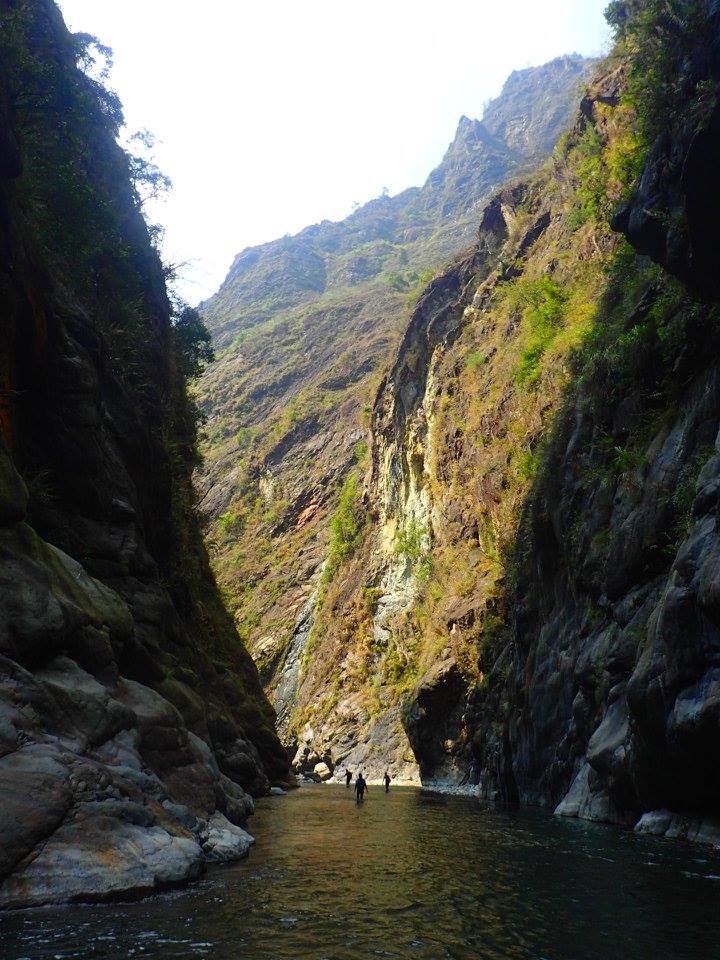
[[630, 731], [549, 429], [133, 728], [598, 686], [304, 328]]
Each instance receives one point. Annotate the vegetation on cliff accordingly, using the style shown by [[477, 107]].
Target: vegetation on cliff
[[148, 721], [304, 327], [549, 424]]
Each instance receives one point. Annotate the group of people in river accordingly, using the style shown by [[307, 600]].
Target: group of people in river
[[361, 784]]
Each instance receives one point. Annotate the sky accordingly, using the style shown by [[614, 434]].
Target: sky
[[270, 115]]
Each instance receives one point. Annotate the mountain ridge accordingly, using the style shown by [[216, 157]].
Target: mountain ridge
[[304, 326]]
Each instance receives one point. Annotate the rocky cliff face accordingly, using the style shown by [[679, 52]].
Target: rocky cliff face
[[525, 588], [133, 729], [544, 472], [304, 327]]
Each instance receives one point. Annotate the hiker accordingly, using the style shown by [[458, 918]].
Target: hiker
[[387, 782], [348, 778], [360, 788]]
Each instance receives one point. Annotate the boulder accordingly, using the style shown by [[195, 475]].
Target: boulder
[[106, 850], [36, 797], [322, 770], [223, 841]]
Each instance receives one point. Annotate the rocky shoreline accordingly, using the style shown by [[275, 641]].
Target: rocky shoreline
[[89, 817]]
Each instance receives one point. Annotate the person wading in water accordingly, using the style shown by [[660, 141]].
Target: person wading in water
[[360, 788], [348, 777], [386, 778]]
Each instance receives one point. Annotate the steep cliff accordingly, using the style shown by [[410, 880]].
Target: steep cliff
[[535, 587], [304, 328], [133, 728]]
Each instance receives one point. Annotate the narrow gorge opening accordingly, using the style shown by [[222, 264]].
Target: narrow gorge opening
[[400, 539]]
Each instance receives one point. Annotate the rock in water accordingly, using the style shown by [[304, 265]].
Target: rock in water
[[222, 840]]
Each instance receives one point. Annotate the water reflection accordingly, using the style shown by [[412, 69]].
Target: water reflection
[[409, 875]]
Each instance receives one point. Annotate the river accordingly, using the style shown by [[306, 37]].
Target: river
[[409, 875]]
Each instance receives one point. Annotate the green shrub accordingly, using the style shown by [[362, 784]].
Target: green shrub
[[413, 543], [346, 528], [231, 522], [586, 159], [361, 451], [542, 303], [475, 359]]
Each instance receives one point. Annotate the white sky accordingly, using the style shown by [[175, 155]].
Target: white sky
[[274, 114]]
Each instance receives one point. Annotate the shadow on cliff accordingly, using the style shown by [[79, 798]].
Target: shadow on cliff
[[601, 686]]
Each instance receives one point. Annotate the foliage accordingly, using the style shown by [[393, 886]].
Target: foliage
[[475, 359], [79, 191], [659, 37], [193, 343], [605, 170], [684, 495], [649, 329], [231, 522], [346, 527], [590, 195], [360, 451], [412, 542], [542, 303]]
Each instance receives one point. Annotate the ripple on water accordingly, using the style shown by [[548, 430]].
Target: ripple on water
[[408, 875]]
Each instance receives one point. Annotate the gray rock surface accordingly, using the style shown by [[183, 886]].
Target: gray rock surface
[[130, 712], [222, 840], [105, 791]]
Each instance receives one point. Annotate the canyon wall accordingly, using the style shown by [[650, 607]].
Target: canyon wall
[[517, 595], [304, 328], [133, 728]]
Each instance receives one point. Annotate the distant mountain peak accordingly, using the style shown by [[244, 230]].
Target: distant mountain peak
[[518, 128], [533, 104]]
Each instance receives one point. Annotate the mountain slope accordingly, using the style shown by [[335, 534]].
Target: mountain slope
[[132, 724], [304, 327], [534, 579]]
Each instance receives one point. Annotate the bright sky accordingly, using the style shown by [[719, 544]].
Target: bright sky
[[274, 114]]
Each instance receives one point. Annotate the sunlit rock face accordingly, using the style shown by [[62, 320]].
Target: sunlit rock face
[[522, 590], [305, 327]]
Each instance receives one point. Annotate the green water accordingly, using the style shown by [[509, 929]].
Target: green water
[[413, 876]]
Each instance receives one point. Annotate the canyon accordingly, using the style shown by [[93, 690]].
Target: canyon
[[444, 503], [487, 564]]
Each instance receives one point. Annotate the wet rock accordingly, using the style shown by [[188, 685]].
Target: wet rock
[[673, 826], [587, 799], [101, 854], [222, 840], [36, 797]]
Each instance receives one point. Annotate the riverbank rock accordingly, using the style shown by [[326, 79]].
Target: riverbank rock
[[222, 840], [107, 849], [92, 809], [130, 713], [665, 823]]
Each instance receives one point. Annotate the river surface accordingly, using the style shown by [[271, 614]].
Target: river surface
[[414, 876]]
